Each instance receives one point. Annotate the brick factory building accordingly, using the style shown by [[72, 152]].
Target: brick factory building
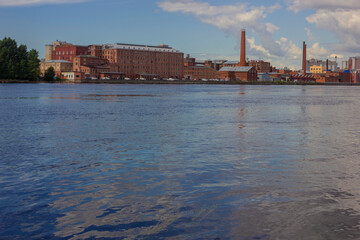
[[261, 66], [246, 74], [122, 60], [88, 60], [68, 52], [200, 72], [242, 71], [135, 60]]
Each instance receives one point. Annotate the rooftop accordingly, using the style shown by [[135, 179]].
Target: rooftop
[[58, 61], [160, 48], [235, 69]]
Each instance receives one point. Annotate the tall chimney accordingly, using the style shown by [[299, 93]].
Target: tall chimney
[[327, 65], [304, 57], [243, 49]]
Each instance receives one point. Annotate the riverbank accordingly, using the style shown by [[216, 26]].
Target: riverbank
[[176, 82]]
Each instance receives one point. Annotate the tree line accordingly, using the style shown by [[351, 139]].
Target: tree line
[[16, 62]]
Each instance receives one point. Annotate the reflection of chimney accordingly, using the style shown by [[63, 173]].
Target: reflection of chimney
[[243, 49], [304, 57]]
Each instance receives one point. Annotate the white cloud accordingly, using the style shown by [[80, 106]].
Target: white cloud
[[344, 23], [309, 34], [318, 52], [11, 3], [231, 19], [298, 5], [339, 17]]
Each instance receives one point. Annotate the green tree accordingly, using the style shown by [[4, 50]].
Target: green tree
[[34, 65], [16, 62], [49, 74]]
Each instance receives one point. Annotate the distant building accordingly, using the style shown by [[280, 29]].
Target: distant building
[[68, 52], [73, 76], [332, 65], [58, 65], [345, 65], [317, 69], [135, 60], [245, 74], [241, 71], [263, 77], [49, 48], [199, 72], [260, 66], [354, 63]]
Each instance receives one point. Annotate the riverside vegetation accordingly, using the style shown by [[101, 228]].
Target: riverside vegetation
[[16, 62]]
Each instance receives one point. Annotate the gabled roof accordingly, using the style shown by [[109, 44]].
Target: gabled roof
[[235, 69]]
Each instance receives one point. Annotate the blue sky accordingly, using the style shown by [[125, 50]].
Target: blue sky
[[206, 29]]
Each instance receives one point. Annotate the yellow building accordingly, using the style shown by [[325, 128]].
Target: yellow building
[[317, 69], [58, 65]]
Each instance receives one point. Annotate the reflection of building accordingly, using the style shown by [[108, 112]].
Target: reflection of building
[[58, 65]]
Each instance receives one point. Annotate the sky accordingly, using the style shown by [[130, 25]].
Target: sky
[[205, 29]]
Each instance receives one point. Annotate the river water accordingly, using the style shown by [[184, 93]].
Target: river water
[[179, 162]]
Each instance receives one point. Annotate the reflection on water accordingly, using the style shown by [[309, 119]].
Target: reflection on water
[[179, 162]]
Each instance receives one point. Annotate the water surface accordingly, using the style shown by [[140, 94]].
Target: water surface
[[179, 162]]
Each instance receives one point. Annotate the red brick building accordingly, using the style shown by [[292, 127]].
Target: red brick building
[[96, 50], [68, 52], [135, 60], [200, 72], [245, 74], [87, 60], [260, 66]]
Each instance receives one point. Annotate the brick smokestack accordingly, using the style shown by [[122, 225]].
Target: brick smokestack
[[304, 57], [243, 49]]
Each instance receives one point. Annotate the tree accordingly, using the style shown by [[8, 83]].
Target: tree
[[49, 74], [34, 64], [16, 62]]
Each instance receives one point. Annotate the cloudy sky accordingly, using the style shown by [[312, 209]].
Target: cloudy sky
[[206, 29]]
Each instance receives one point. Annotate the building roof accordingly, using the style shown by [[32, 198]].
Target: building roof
[[88, 56], [58, 61], [235, 69], [231, 62], [161, 48]]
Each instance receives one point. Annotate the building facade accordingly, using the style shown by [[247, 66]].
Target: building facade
[[261, 66], [68, 52], [317, 69], [245, 74], [135, 60], [58, 65], [327, 65], [200, 72]]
